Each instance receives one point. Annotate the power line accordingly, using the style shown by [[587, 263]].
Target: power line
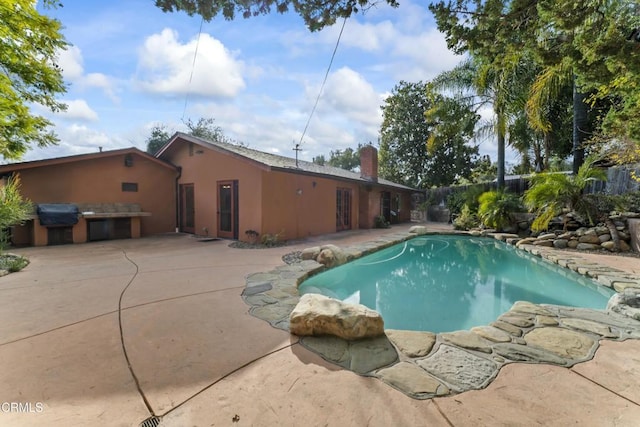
[[193, 66], [326, 75]]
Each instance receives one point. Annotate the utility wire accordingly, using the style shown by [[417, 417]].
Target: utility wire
[[326, 75], [193, 66]]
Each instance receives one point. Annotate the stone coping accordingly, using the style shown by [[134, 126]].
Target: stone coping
[[424, 365]]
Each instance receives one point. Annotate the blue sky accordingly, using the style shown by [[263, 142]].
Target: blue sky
[[129, 64]]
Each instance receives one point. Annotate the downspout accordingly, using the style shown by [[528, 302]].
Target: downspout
[[178, 176]]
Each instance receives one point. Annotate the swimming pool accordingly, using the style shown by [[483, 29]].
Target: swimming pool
[[445, 283]]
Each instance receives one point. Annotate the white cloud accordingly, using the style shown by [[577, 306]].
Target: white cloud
[[427, 53], [78, 109], [77, 139], [165, 66], [369, 37], [71, 62], [348, 93]]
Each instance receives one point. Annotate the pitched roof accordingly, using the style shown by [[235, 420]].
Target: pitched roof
[[14, 167], [276, 162]]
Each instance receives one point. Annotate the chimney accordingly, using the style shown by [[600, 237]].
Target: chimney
[[369, 163]]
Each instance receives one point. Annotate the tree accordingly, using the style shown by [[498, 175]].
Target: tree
[[13, 207], [580, 44], [316, 13], [477, 84], [348, 159], [158, 138], [29, 43], [405, 133], [204, 128]]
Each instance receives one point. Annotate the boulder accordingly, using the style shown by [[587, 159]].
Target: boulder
[[590, 232], [588, 246], [418, 229], [331, 256], [526, 241], [317, 315], [626, 302], [604, 237], [590, 238], [560, 243], [623, 235], [573, 244], [310, 253], [580, 231], [547, 236]]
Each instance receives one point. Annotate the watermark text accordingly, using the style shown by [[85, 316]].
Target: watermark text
[[21, 407]]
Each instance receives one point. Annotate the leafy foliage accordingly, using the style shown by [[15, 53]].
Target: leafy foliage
[[405, 156], [600, 205], [29, 43], [348, 159], [496, 208], [551, 192], [583, 45], [204, 128], [469, 197], [467, 219], [316, 13], [158, 138], [12, 263], [380, 222], [14, 209]]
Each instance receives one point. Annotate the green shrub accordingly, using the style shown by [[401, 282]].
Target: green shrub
[[497, 208], [550, 193], [380, 222], [272, 240], [458, 199], [466, 220], [13, 263], [14, 209]]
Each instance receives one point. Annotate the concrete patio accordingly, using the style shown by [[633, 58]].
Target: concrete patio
[[112, 333]]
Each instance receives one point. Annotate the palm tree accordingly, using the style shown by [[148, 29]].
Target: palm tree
[[480, 83], [553, 192]]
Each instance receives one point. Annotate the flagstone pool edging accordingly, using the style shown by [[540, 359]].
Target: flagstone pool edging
[[425, 365]]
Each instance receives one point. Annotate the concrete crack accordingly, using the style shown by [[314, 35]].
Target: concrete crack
[[124, 347]]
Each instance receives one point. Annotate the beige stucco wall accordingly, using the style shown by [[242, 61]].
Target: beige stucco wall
[[370, 202], [294, 205], [204, 168], [99, 180]]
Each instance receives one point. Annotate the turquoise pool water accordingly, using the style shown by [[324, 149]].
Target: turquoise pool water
[[447, 283]]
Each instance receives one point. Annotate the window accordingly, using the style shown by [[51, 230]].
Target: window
[[128, 160], [130, 186]]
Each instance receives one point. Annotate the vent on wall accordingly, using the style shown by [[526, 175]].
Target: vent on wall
[[130, 186], [128, 160]]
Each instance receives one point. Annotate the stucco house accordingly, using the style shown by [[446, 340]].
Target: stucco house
[[115, 194], [225, 190], [201, 187]]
